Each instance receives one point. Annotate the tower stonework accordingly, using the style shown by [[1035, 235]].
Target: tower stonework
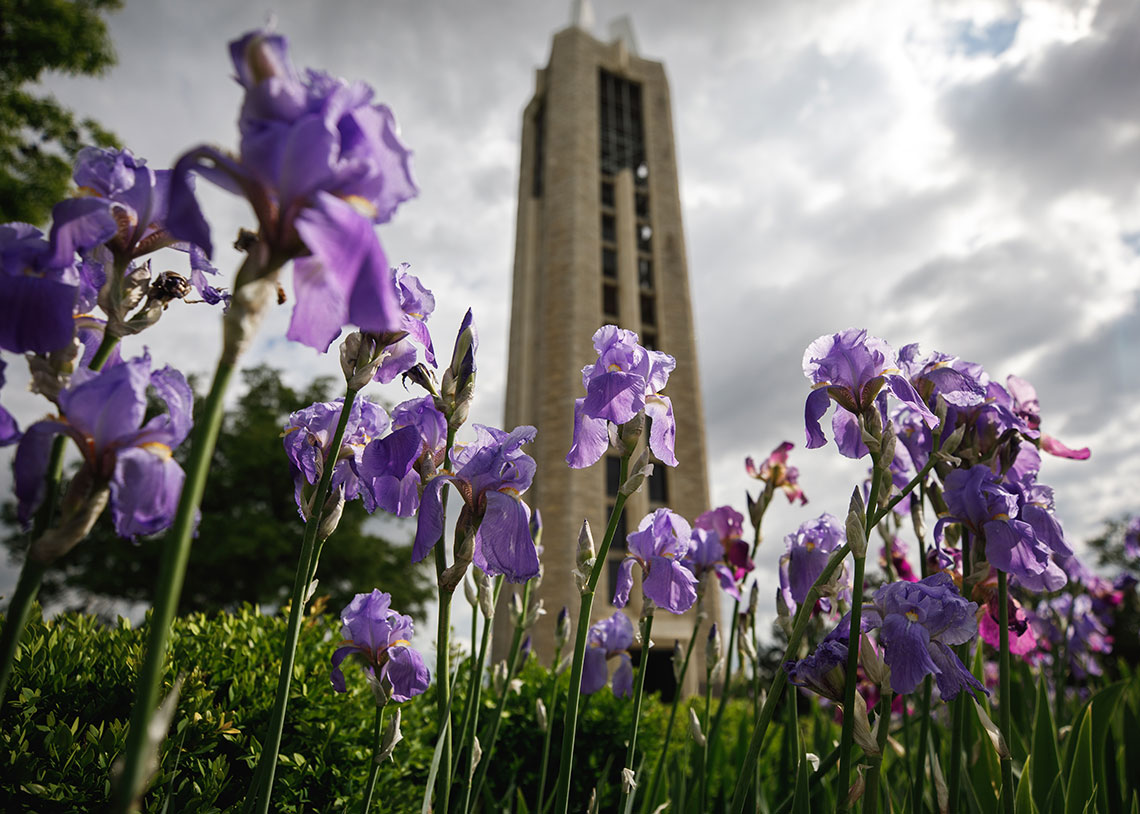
[[599, 241]]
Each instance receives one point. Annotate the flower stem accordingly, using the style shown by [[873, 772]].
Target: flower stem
[[549, 733], [848, 733], [874, 770], [442, 678], [959, 720], [262, 787], [375, 768], [1006, 700], [172, 572], [704, 776], [475, 688], [656, 782], [570, 721], [799, 626], [923, 739], [496, 721], [638, 692]]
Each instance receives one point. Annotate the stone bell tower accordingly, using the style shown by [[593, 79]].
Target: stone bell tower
[[599, 240]]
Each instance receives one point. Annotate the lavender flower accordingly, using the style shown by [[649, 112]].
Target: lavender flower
[[1023, 549], [308, 433], [1028, 409], [390, 465], [320, 165], [138, 199], [918, 623], [824, 670], [716, 548], [852, 368], [658, 545], [775, 470], [491, 474], [103, 412], [625, 381], [808, 550], [609, 639], [40, 279], [382, 639], [417, 303]]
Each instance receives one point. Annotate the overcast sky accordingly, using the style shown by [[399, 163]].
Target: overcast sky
[[958, 174]]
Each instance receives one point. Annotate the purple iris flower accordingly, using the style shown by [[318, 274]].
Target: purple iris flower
[[808, 550], [40, 278], [960, 383], [1022, 547], [775, 470], [490, 474], [382, 639], [609, 639], [625, 380], [390, 466], [716, 547], [308, 434], [103, 412], [9, 431], [417, 303], [660, 543], [824, 670], [138, 199], [852, 368], [1028, 409], [321, 165], [918, 623]]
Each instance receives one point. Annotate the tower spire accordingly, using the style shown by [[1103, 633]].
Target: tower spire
[[582, 15]]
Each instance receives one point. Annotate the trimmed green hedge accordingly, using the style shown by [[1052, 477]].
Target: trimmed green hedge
[[64, 720]]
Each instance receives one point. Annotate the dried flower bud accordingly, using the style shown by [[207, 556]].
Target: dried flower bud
[[678, 661], [536, 610], [695, 727], [540, 715], [856, 535], [628, 783], [331, 514], [470, 593], [486, 594], [783, 613], [863, 734], [586, 554], [713, 648], [562, 628], [642, 469], [629, 433], [515, 610], [873, 664], [476, 755], [499, 677]]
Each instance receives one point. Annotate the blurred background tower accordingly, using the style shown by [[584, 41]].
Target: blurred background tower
[[599, 240]]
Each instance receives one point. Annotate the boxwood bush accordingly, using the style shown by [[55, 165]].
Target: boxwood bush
[[63, 723]]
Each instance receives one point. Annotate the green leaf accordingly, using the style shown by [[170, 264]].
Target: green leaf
[[1080, 786], [801, 802], [1046, 763], [1023, 804]]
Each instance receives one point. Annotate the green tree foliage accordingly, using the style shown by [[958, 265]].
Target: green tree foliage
[[249, 536], [38, 136]]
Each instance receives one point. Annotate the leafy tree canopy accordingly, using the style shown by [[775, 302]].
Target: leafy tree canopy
[[249, 536], [39, 137]]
